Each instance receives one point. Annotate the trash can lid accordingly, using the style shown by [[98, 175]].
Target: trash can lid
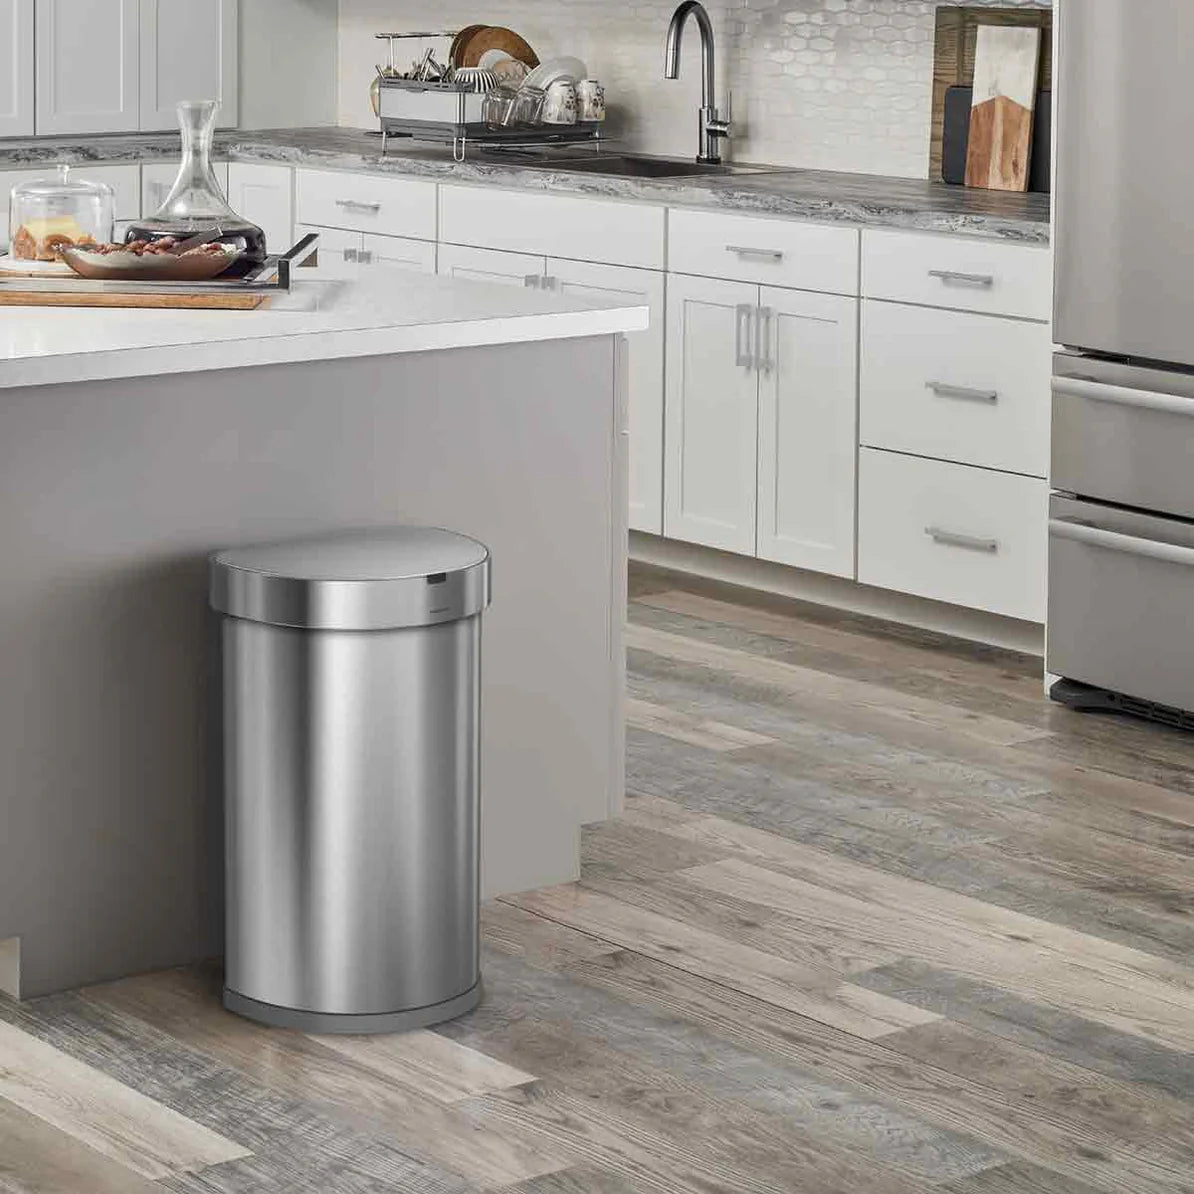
[[374, 579]]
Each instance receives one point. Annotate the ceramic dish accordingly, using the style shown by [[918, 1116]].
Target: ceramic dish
[[473, 78], [546, 73], [496, 37], [149, 267]]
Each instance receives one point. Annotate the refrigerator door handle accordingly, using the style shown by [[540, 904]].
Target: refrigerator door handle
[[1099, 391], [1092, 536]]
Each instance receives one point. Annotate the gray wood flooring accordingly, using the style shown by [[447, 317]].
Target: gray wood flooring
[[878, 917]]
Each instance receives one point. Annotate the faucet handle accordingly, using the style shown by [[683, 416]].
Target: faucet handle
[[718, 123]]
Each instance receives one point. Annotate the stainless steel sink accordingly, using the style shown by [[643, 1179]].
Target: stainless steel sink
[[626, 165]]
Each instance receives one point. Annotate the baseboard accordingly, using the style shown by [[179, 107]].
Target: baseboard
[[10, 967], [763, 576]]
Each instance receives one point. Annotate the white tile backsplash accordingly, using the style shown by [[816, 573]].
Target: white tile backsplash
[[820, 84]]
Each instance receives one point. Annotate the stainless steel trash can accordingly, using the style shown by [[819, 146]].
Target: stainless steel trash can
[[351, 738]]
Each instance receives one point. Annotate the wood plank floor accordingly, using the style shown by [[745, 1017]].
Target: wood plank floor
[[878, 917]]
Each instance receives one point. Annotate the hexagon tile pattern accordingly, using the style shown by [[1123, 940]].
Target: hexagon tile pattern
[[818, 84]]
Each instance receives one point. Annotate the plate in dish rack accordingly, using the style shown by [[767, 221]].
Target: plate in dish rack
[[544, 75]]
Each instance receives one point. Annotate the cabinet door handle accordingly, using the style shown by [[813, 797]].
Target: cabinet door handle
[[952, 278], [743, 354], [963, 393], [357, 205], [352, 255], [550, 283], [757, 254], [764, 360], [958, 539], [365, 256], [533, 281]]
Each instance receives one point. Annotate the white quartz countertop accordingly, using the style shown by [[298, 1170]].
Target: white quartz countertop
[[319, 320]]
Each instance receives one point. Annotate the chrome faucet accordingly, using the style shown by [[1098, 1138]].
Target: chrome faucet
[[714, 126]]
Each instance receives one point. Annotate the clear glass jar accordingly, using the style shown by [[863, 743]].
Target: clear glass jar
[[50, 214], [195, 203]]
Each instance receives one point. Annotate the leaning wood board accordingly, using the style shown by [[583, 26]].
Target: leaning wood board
[[1005, 73], [953, 58], [171, 302]]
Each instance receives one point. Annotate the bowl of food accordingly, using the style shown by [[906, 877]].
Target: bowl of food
[[164, 260]]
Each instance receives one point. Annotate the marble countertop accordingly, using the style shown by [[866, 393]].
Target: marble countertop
[[823, 196], [317, 321]]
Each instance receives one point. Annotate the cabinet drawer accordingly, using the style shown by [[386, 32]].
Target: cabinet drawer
[[953, 533], [962, 273], [366, 203], [598, 230], [961, 387], [773, 251]]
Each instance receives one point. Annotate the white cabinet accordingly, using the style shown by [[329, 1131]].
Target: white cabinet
[[712, 413], [646, 374], [491, 265], [158, 177], [366, 203], [761, 423], [808, 429], [88, 64], [16, 68], [262, 194], [188, 50], [339, 251]]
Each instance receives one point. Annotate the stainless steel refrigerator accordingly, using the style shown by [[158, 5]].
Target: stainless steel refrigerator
[[1121, 527]]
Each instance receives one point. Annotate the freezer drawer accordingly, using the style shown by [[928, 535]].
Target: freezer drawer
[[1124, 434], [1121, 592]]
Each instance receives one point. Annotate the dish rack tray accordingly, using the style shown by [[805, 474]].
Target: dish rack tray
[[443, 114], [273, 276]]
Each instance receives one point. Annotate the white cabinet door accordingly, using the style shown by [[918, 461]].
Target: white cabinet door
[[712, 413], [16, 68], [490, 265], [158, 177], [623, 283], [262, 194], [399, 253], [808, 429], [188, 51], [88, 64]]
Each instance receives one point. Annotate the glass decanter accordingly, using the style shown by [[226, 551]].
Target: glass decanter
[[195, 203]]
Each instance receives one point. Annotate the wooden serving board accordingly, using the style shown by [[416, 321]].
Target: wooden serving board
[[1005, 73], [170, 302], [954, 53]]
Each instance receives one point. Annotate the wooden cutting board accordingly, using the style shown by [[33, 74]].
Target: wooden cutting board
[[953, 58], [1006, 63], [170, 302]]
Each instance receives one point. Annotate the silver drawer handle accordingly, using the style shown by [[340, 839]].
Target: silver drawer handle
[[351, 254], [957, 539], [953, 278], [743, 355], [964, 393], [533, 281], [758, 254], [1098, 391], [1169, 553], [357, 205]]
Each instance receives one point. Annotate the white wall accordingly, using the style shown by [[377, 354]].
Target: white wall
[[288, 63], [823, 84]]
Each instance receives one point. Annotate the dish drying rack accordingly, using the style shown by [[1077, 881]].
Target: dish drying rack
[[437, 111]]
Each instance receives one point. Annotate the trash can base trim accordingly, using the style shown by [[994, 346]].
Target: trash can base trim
[[331, 1022]]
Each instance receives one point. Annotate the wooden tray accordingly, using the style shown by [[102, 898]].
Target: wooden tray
[[953, 59], [248, 301]]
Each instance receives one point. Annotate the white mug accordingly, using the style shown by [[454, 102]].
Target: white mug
[[590, 99], [559, 107]]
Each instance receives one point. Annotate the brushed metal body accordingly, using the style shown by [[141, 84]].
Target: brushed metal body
[[714, 127], [1123, 236], [352, 815]]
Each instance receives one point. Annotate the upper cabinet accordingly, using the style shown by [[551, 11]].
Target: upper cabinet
[[115, 66], [88, 63], [188, 51], [16, 68]]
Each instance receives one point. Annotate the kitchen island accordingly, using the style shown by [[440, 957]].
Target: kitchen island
[[134, 443]]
